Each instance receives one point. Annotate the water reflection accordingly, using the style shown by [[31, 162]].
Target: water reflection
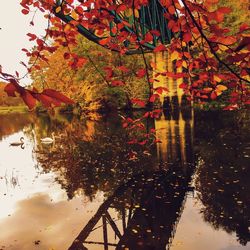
[[87, 189], [223, 174]]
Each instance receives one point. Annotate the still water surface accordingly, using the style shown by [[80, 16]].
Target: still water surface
[[91, 190]]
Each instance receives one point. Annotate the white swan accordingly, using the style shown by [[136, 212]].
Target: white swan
[[48, 139], [18, 143]]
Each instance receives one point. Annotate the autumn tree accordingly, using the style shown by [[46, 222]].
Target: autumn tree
[[95, 84], [213, 59], [57, 74]]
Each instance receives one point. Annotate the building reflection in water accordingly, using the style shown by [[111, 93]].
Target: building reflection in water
[[143, 199], [150, 203]]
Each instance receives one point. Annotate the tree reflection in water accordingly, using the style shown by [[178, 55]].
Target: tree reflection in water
[[223, 174], [148, 195], [145, 195]]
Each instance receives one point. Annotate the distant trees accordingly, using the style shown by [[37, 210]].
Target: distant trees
[[96, 83]]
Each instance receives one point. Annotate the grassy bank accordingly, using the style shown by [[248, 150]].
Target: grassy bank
[[13, 109]]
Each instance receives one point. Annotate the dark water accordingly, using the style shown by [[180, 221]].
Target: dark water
[[90, 189]]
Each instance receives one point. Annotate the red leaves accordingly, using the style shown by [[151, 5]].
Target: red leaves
[[187, 37], [171, 10], [245, 42], [28, 99], [32, 36], [213, 95], [153, 97], [218, 15], [229, 40], [81, 62], [109, 72], [224, 10], [66, 55], [25, 11], [121, 8], [117, 83], [141, 73], [160, 48], [138, 102], [200, 63], [48, 97], [55, 95], [10, 89], [148, 37], [104, 41], [160, 90]]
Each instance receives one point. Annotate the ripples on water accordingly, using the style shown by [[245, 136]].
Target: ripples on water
[[85, 191]]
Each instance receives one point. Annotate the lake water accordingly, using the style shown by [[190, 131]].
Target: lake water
[[91, 189]]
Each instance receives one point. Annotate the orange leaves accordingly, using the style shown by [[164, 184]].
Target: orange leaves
[[224, 10], [229, 40], [118, 33], [108, 71], [218, 15], [104, 41], [76, 62], [171, 10], [81, 62], [219, 89], [166, 3]]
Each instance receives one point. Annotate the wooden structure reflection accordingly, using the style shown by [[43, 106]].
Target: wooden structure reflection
[[144, 212]]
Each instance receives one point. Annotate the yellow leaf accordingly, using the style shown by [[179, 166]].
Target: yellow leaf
[[221, 87], [184, 64], [136, 13], [217, 79], [58, 9], [129, 12], [174, 56], [67, 27], [223, 47], [74, 15]]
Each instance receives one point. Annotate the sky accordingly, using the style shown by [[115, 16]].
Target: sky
[[14, 27]]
